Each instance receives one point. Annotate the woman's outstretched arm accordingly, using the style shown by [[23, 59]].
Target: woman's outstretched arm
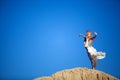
[[95, 33], [81, 35]]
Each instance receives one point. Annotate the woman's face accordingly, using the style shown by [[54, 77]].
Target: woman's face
[[89, 34]]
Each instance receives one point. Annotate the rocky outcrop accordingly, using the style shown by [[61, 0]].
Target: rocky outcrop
[[79, 74]]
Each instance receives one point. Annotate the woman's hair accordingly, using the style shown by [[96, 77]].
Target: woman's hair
[[88, 31]]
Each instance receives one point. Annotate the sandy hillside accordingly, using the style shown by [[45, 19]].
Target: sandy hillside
[[79, 74]]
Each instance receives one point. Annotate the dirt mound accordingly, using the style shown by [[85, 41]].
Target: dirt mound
[[79, 74]]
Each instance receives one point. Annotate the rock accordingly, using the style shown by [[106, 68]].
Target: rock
[[79, 74]]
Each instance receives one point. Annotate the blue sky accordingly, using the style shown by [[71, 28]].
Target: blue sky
[[39, 38]]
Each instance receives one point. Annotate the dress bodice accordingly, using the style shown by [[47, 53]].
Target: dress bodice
[[88, 42]]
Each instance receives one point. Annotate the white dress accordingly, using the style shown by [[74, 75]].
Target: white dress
[[92, 51]]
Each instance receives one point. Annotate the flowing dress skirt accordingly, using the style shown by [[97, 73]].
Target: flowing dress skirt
[[93, 51]]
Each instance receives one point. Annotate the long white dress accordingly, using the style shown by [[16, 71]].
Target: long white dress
[[92, 51]]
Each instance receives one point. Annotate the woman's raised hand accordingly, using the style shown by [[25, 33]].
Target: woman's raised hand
[[95, 33]]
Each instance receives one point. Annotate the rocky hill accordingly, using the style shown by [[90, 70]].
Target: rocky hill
[[79, 74]]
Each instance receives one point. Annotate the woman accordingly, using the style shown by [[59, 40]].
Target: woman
[[92, 52]]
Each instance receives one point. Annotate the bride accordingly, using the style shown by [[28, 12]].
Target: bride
[[92, 52]]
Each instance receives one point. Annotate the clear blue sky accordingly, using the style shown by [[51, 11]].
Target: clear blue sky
[[39, 38]]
